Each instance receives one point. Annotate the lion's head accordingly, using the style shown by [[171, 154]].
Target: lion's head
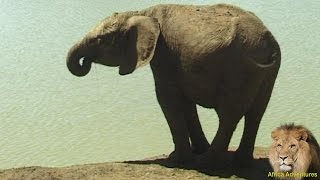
[[294, 149]]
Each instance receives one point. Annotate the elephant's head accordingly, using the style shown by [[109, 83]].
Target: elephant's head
[[121, 40]]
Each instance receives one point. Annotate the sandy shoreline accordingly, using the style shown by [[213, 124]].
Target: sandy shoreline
[[151, 168]]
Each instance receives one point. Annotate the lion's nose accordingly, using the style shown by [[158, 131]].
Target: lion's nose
[[283, 157]]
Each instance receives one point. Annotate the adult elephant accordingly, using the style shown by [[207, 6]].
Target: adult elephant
[[216, 56]]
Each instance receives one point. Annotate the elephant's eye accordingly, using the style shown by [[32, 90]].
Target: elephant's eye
[[108, 39]]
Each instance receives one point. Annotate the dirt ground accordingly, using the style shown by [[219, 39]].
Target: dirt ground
[[152, 168]]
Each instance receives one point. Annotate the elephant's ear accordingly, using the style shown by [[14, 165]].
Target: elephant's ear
[[142, 34]]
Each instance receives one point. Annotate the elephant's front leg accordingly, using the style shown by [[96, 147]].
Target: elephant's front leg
[[199, 143], [172, 104]]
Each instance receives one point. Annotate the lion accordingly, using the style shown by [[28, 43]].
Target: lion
[[294, 149]]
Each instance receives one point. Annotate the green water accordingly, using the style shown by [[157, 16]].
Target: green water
[[50, 118]]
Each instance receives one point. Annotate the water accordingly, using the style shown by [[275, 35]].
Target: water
[[50, 118]]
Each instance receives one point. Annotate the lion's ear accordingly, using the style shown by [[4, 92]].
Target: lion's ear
[[303, 135], [275, 135]]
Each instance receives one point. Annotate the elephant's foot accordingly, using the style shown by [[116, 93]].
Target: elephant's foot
[[179, 157], [200, 148], [214, 160], [242, 160]]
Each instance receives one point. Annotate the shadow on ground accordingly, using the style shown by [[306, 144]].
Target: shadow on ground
[[259, 170]]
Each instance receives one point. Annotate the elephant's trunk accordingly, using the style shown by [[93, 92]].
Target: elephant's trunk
[[76, 53]]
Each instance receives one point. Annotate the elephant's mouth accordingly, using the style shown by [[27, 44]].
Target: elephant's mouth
[[111, 61]]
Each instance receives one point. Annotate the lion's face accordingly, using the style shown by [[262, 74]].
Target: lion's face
[[286, 149], [289, 151]]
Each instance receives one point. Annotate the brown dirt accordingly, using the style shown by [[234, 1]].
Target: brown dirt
[[152, 168]]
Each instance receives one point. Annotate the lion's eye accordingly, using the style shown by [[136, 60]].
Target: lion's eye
[[279, 145], [292, 145]]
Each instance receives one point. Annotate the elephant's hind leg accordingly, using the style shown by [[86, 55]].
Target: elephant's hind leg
[[244, 154], [199, 143], [217, 155]]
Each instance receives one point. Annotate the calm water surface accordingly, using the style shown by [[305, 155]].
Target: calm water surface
[[49, 117]]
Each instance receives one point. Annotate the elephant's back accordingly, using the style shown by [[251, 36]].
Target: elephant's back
[[191, 31]]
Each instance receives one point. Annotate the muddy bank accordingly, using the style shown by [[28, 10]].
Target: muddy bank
[[151, 168]]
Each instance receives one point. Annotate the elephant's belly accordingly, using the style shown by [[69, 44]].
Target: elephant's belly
[[201, 91], [202, 98], [212, 86]]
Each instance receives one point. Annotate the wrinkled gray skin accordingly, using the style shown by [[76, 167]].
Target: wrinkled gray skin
[[219, 57]]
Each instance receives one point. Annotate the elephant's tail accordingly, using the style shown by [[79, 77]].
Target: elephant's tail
[[273, 57]]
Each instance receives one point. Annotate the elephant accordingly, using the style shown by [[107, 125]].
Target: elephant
[[216, 56]]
